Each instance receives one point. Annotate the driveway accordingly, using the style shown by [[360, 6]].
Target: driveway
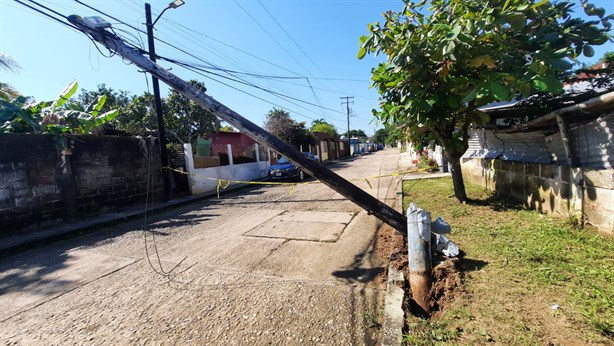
[[260, 266]]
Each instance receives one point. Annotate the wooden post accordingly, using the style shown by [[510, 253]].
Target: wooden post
[[419, 247], [567, 141], [363, 199]]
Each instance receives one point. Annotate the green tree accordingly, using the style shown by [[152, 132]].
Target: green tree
[[301, 135], [116, 99], [139, 116], [7, 92], [381, 135], [607, 57], [447, 60], [320, 125], [279, 123], [22, 115], [356, 134], [185, 120]]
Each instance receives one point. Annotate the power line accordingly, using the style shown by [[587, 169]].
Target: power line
[[137, 44], [247, 84], [47, 14], [270, 35], [294, 41], [300, 49]]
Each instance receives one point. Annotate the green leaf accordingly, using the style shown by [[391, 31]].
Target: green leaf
[[110, 115], [453, 102], [483, 117], [507, 3], [94, 107], [471, 95], [362, 52], [499, 91], [540, 85], [548, 84], [588, 51], [453, 33], [425, 106], [517, 21], [449, 48], [543, 2], [65, 94]]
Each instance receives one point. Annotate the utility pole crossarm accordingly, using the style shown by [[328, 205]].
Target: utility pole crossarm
[[371, 204]]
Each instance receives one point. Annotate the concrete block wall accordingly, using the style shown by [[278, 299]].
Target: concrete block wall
[[553, 189], [112, 171], [44, 178], [30, 190]]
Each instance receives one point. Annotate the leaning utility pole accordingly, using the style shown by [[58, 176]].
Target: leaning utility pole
[[347, 104], [363, 199]]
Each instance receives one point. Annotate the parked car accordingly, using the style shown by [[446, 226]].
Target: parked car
[[310, 156], [286, 170], [380, 147]]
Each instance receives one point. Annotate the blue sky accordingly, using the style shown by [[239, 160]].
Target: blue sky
[[317, 39]]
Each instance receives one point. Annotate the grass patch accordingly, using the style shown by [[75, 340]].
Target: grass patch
[[529, 263]]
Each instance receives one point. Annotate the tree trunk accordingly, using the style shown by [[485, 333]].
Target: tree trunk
[[457, 176]]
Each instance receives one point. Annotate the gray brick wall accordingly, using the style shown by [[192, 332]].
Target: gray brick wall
[[103, 172]]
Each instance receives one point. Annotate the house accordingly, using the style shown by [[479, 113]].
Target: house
[[331, 147], [223, 157], [561, 162]]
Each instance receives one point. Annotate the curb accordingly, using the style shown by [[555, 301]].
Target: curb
[[64, 230], [394, 316]]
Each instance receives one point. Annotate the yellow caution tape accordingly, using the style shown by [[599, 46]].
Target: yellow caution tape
[[224, 183]]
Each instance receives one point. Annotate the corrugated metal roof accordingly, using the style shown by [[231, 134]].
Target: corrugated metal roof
[[526, 147]]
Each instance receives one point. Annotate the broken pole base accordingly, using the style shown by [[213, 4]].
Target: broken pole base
[[419, 256], [420, 286]]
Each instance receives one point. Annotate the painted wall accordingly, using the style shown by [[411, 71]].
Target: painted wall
[[205, 180]]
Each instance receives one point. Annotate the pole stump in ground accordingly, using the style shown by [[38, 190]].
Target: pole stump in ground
[[419, 248]]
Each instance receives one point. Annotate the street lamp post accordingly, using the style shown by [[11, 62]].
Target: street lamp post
[[157, 98]]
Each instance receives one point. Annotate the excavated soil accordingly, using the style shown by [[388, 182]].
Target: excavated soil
[[447, 278]]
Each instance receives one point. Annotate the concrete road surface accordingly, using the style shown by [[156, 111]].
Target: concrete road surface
[[260, 266]]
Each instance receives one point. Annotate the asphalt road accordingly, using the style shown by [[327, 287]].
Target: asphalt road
[[260, 266]]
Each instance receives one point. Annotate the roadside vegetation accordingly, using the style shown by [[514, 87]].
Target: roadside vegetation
[[528, 278]]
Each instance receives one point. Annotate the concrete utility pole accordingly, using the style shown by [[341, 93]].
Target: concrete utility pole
[[158, 104], [157, 98], [347, 104], [363, 199]]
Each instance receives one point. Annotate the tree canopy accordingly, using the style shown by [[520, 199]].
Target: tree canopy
[[320, 125], [450, 57], [279, 123], [356, 133], [185, 120], [7, 92]]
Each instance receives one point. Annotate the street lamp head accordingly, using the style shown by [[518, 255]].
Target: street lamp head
[[176, 3]]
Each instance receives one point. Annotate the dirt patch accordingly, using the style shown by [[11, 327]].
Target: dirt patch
[[447, 284], [389, 248], [447, 277]]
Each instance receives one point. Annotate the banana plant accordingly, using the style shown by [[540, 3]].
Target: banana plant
[[22, 115]]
